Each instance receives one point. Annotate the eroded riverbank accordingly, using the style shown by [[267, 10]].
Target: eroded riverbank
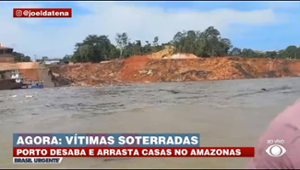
[[143, 69]]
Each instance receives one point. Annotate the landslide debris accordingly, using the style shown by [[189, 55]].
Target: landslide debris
[[88, 74], [139, 69]]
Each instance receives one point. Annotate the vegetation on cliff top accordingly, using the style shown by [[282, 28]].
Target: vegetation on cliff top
[[20, 57], [208, 43]]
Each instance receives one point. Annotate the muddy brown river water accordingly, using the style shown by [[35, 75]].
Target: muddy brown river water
[[225, 113]]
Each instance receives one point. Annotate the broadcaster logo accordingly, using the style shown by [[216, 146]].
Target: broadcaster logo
[[276, 150]]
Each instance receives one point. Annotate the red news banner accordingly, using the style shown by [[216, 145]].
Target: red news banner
[[42, 12], [134, 152]]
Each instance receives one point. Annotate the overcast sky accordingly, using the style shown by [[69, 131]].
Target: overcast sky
[[257, 25]]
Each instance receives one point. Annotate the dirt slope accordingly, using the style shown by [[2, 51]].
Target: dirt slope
[[146, 69]]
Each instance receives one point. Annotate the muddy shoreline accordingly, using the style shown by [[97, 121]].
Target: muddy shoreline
[[142, 69]]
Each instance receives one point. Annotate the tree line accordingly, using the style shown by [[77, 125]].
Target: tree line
[[207, 43], [20, 57]]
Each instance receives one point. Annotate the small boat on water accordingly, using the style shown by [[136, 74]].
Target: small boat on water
[[11, 79], [35, 84]]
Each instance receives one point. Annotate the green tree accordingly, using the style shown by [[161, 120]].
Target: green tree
[[20, 57], [270, 54], [247, 52], [207, 43], [94, 49], [122, 41], [291, 51], [235, 52], [67, 58]]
